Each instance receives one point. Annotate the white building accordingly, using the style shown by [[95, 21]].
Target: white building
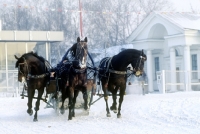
[[172, 43]]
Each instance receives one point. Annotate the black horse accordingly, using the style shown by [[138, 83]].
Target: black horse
[[74, 76], [113, 75], [34, 73]]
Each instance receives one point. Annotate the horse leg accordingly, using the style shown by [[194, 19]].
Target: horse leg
[[74, 102], [64, 96], [85, 98], [122, 91], [62, 109], [114, 96], [70, 104], [105, 90], [31, 93], [37, 104]]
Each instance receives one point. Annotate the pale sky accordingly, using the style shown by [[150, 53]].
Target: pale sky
[[185, 5]]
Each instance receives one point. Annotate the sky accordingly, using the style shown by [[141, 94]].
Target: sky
[[172, 113], [185, 5]]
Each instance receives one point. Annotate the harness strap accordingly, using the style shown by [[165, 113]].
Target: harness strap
[[117, 72], [79, 70], [37, 76], [109, 62]]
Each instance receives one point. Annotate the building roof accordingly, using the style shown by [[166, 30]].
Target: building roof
[[181, 20], [31, 36], [184, 20]]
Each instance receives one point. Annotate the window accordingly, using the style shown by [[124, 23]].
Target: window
[[194, 66], [14, 48], [157, 68]]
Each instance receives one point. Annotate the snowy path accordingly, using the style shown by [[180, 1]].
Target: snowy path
[[175, 113]]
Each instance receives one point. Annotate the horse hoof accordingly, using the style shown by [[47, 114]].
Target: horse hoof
[[62, 111], [30, 112], [86, 107], [119, 116], [35, 120], [115, 111], [69, 118], [109, 115]]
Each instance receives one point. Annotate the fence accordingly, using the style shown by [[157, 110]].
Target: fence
[[9, 85], [167, 82], [173, 81]]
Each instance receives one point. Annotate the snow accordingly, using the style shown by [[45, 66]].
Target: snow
[[173, 113]]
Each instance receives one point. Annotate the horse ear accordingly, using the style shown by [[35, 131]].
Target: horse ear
[[16, 57], [142, 52], [78, 39], [85, 39]]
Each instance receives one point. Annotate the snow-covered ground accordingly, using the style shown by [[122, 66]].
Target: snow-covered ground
[[172, 113]]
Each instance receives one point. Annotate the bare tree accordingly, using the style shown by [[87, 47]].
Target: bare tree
[[105, 23]]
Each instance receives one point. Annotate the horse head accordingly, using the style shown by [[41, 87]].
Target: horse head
[[138, 67], [22, 66], [79, 51], [29, 64]]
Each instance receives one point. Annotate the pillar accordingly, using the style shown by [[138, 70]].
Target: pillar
[[47, 50], [173, 69], [187, 69], [149, 70]]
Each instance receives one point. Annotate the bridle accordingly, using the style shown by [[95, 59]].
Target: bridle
[[78, 53], [25, 64], [137, 69]]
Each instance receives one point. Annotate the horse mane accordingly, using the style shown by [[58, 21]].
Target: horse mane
[[30, 53], [128, 52], [34, 54], [73, 49]]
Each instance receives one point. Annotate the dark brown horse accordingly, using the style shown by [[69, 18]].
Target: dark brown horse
[[33, 72], [74, 76], [113, 75]]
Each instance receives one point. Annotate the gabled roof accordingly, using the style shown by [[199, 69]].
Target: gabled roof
[[184, 20], [181, 20]]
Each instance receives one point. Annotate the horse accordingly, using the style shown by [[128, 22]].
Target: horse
[[74, 76], [33, 72], [113, 75]]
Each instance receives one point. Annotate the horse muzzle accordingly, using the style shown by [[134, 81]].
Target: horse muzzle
[[138, 73]]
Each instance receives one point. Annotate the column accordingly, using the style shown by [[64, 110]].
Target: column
[[26, 47], [173, 69], [187, 64], [6, 53], [149, 70], [47, 50]]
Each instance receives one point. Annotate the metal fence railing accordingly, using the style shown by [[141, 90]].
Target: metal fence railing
[[9, 85], [173, 81], [167, 81]]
